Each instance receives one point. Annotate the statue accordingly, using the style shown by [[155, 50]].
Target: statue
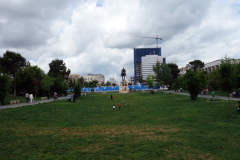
[[123, 73]]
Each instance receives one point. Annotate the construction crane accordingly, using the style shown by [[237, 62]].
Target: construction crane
[[154, 38]]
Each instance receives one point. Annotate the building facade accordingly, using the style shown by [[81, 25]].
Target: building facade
[[212, 66], [147, 63], [90, 77], [74, 77], [138, 54]]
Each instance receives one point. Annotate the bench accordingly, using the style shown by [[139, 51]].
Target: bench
[[13, 101], [43, 98]]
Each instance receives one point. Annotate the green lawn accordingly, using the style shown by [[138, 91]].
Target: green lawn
[[162, 126]]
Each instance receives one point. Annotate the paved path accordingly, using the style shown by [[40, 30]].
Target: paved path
[[207, 96], [27, 104]]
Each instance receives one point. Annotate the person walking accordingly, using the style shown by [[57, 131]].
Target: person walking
[[69, 97], [119, 106], [27, 97], [212, 93], [113, 107], [48, 95], [111, 97], [31, 98]]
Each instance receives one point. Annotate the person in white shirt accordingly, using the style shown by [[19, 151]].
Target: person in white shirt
[[113, 107], [31, 98]]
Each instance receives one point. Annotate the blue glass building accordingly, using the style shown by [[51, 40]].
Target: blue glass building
[[138, 53]]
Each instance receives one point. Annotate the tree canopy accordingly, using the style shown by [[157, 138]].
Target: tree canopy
[[58, 68], [162, 73], [196, 64], [11, 62]]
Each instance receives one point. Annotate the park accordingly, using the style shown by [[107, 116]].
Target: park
[[161, 126]]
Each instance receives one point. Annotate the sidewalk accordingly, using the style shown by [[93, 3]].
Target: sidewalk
[[207, 96], [28, 104]]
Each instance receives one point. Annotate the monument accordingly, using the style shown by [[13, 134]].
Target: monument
[[123, 88]]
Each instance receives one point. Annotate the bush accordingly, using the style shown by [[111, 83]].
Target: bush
[[4, 85], [77, 90], [193, 83]]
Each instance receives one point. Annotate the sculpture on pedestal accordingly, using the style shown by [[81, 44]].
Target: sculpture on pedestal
[[123, 73]]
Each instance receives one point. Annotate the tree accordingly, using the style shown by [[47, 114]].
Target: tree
[[47, 82], [30, 79], [4, 85], [179, 83], [196, 64], [77, 89], [57, 67], [149, 80], [11, 62], [86, 84], [58, 84], [213, 79], [108, 83], [140, 79], [228, 77], [174, 72], [202, 79], [192, 83], [162, 73]]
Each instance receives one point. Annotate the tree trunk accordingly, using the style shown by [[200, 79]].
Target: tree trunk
[[15, 83], [229, 106], [35, 93]]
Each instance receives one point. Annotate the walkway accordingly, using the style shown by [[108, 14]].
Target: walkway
[[207, 96], [28, 104]]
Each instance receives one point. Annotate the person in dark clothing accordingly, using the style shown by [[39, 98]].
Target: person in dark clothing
[[65, 93], [74, 97], [48, 95], [111, 97]]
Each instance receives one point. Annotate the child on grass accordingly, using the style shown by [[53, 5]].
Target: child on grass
[[119, 106], [113, 107]]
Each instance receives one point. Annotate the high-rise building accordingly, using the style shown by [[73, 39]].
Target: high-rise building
[[138, 53], [147, 64]]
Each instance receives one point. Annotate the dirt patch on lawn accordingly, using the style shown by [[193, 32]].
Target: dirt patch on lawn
[[150, 132]]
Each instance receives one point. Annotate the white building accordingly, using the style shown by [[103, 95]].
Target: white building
[[211, 66], [74, 77], [147, 63], [90, 77]]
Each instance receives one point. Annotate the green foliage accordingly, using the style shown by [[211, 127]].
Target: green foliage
[[58, 84], [47, 82], [4, 85], [149, 80], [196, 64], [192, 83], [162, 73], [179, 83], [11, 62], [57, 67], [227, 75], [202, 79], [30, 79], [85, 84], [77, 89], [213, 79], [174, 72], [108, 83]]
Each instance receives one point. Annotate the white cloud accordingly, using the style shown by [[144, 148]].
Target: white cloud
[[94, 36]]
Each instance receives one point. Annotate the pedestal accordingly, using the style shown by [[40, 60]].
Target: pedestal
[[123, 88]]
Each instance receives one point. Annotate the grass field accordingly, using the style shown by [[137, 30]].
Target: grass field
[[162, 126]]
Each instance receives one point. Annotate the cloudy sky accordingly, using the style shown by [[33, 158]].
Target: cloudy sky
[[98, 36]]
